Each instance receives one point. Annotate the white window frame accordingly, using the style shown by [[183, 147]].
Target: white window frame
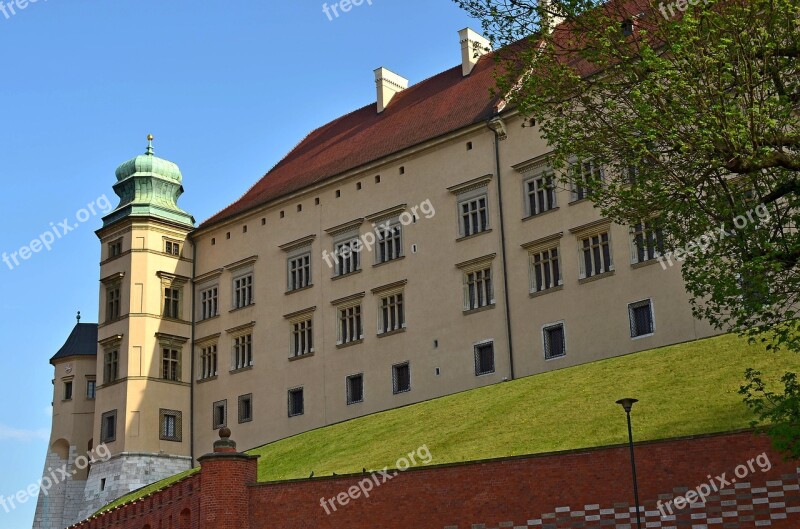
[[606, 267], [209, 361], [242, 289], [242, 351], [351, 263], [302, 336], [350, 311], [209, 302], [471, 197], [294, 262], [582, 171], [397, 308], [551, 198], [546, 263], [389, 237], [648, 229]]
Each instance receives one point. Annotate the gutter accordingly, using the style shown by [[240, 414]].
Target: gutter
[[191, 348]]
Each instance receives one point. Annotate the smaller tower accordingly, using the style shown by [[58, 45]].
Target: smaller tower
[[71, 434]]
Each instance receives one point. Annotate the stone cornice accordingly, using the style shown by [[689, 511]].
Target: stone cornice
[[475, 183]]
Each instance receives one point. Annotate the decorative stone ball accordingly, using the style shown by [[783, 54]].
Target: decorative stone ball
[[225, 433]]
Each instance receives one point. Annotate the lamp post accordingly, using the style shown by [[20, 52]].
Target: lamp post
[[627, 404]]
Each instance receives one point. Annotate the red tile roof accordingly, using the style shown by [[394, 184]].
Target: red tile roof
[[439, 105]]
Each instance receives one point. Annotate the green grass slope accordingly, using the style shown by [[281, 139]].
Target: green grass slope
[[683, 389]]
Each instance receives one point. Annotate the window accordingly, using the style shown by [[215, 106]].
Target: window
[[243, 351], [540, 193], [355, 389], [219, 413], [243, 291], [555, 345], [170, 364], [584, 174], [627, 27], [108, 427], [545, 270], [348, 257], [91, 389], [115, 249], [484, 358], [302, 338], [172, 302], [172, 248], [296, 406], [350, 325], [245, 408], [209, 303], [641, 318], [171, 425], [390, 244], [391, 316], [299, 272], [647, 242], [401, 378], [208, 362], [478, 290], [111, 366], [113, 303], [595, 255], [68, 390], [474, 216]]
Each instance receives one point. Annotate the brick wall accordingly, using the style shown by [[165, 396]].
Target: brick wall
[[580, 489]]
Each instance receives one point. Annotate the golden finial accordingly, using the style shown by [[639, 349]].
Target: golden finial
[[149, 144]]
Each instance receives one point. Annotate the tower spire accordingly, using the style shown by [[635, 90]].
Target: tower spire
[[149, 145], [78, 317]]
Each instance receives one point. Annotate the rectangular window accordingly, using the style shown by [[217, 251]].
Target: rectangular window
[[171, 425], [113, 303], [208, 362], [641, 318], [209, 303], [390, 244], [555, 344], [484, 358], [108, 427], [355, 389], [595, 255], [350, 326], [479, 291], [296, 405], [302, 338], [541, 194], [219, 414], [545, 270], [647, 242], [67, 390], [245, 408], [348, 260], [172, 248], [392, 314], [91, 389], [299, 272], [243, 351], [172, 303], [115, 249], [474, 214], [111, 367], [584, 174], [243, 291], [401, 378], [170, 364]]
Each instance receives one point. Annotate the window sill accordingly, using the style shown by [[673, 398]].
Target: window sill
[[288, 292], [648, 335], [479, 309], [595, 277], [467, 237], [66, 400], [348, 344], [300, 357], [219, 426], [579, 201], [212, 317], [240, 370], [208, 379], [245, 421], [392, 333], [237, 309], [292, 415], [401, 392], [170, 440], [541, 293], [484, 374], [537, 215], [559, 357], [644, 264], [355, 402], [376, 265], [355, 272]]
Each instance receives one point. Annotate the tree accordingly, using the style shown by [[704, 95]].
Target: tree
[[692, 109]]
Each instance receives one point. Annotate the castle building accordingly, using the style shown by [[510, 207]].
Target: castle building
[[417, 247]]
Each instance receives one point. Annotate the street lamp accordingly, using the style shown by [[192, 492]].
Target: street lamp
[[627, 404]]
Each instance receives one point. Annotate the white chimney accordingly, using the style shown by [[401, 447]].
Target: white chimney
[[388, 84], [473, 45]]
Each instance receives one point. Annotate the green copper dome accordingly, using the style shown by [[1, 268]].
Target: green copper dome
[[149, 186]]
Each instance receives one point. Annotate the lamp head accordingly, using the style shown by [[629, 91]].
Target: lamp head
[[627, 404]]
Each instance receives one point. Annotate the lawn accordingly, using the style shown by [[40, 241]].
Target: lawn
[[683, 389]]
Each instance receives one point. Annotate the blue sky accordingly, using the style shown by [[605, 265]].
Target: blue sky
[[227, 88]]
